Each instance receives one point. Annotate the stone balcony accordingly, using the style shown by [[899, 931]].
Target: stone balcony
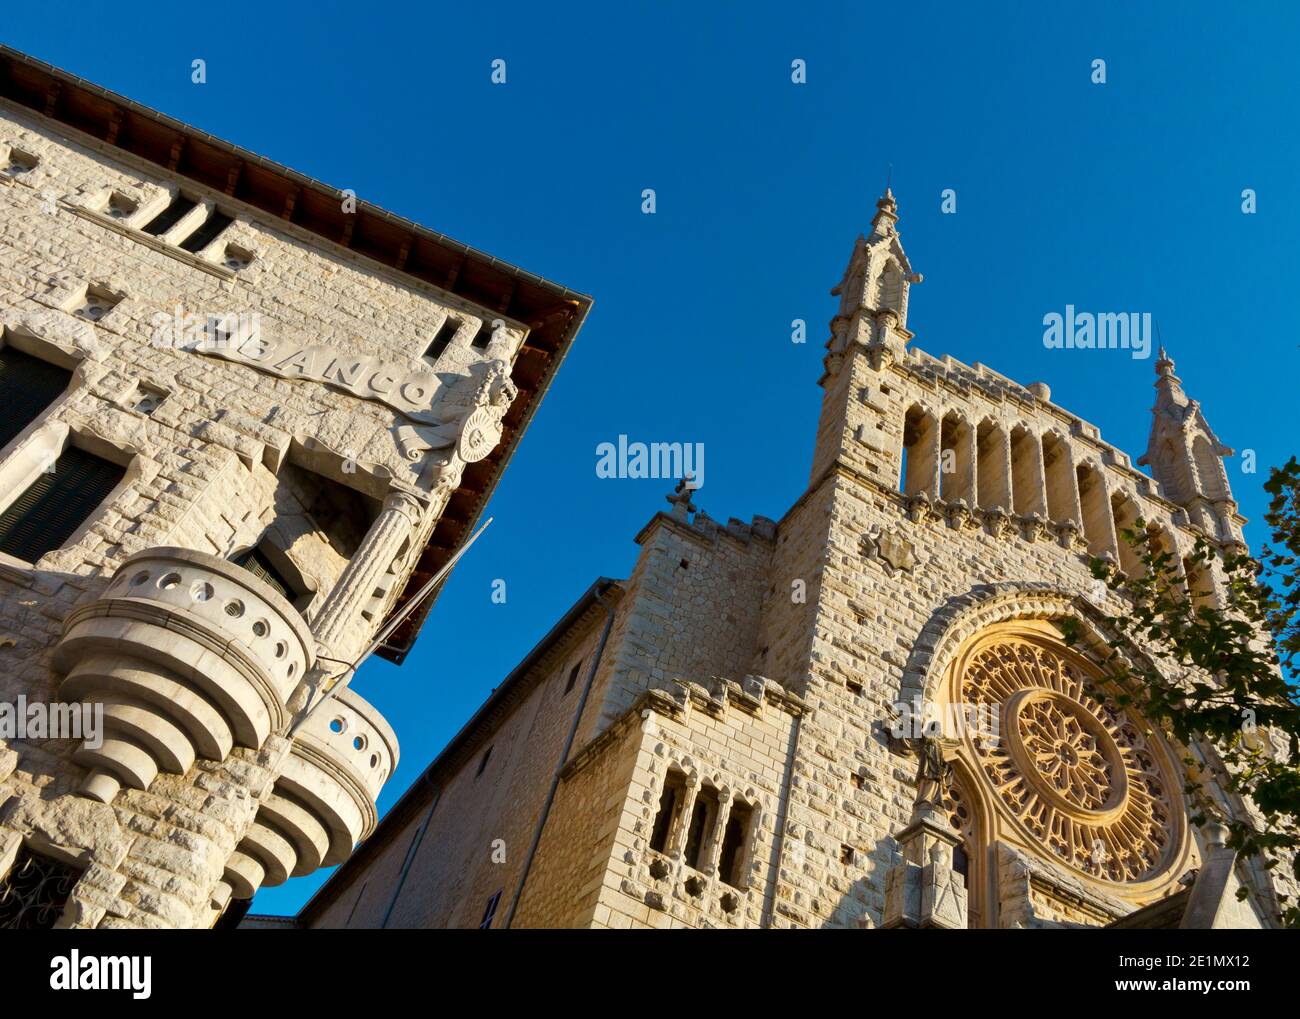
[[323, 803], [190, 655]]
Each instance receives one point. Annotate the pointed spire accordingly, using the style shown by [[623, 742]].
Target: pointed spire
[[1164, 363], [883, 222], [1186, 457]]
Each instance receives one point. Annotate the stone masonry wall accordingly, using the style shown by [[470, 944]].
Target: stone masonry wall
[[460, 863], [200, 467]]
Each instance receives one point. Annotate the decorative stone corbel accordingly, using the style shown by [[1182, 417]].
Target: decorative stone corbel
[[999, 523], [920, 509], [1071, 536], [960, 515], [1035, 526]]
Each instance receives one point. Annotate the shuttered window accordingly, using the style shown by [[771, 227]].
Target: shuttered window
[[256, 563], [27, 386], [45, 516]]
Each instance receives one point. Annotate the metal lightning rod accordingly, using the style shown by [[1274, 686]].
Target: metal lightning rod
[[396, 620]]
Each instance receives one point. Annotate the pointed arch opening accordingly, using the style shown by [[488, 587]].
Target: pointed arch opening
[[1125, 514], [1026, 473], [1058, 470], [891, 287], [1209, 469], [955, 467], [1098, 528], [993, 466], [920, 458]]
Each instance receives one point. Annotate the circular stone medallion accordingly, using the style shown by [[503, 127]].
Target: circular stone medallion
[[478, 437]]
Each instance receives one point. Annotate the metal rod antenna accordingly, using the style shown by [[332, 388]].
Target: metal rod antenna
[[396, 620]]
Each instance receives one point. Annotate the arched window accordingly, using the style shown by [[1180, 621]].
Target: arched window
[[1062, 499], [1027, 494], [1098, 527], [920, 459], [891, 287], [955, 468], [1209, 469], [1124, 513], [1080, 784], [993, 467]]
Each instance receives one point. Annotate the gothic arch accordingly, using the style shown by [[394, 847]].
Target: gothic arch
[[1209, 469], [1103, 804], [891, 287]]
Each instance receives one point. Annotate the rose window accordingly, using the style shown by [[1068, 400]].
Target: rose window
[[1076, 772]]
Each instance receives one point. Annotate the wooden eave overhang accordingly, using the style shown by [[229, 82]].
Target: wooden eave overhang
[[552, 312]]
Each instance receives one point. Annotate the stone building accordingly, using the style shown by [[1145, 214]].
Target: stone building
[[712, 742], [243, 417]]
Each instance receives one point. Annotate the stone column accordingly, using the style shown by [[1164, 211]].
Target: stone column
[[714, 848], [677, 838], [337, 624]]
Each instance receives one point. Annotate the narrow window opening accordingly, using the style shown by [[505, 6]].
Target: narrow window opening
[[954, 460], [1096, 510], [483, 337], [1026, 485], [170, 216], [259, 564], [1060, 479], [702, 817], [34, 892], [442, 338], [731, 861], [919, 469], [483, 762], [960, 861], [993, 480], [669, 800], [573, 677], [207, 233], [1125, 515]]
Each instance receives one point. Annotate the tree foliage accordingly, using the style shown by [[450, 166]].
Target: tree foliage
[[1218, 672]]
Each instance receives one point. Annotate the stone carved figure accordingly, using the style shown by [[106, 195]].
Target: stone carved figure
[[470, 422], [933, 771]]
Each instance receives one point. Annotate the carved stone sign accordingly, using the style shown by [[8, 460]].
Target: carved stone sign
[[410, 392]]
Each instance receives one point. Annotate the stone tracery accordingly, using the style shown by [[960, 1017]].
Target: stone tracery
[[1074, 771]]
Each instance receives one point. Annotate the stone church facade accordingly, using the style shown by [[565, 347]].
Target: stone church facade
[[243, 417], [712, 741]]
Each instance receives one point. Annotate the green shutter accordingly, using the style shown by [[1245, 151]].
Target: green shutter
[[27, 386], [44, 517]]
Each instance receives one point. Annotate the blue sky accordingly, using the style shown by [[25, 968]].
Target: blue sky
[[1117, 197]]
